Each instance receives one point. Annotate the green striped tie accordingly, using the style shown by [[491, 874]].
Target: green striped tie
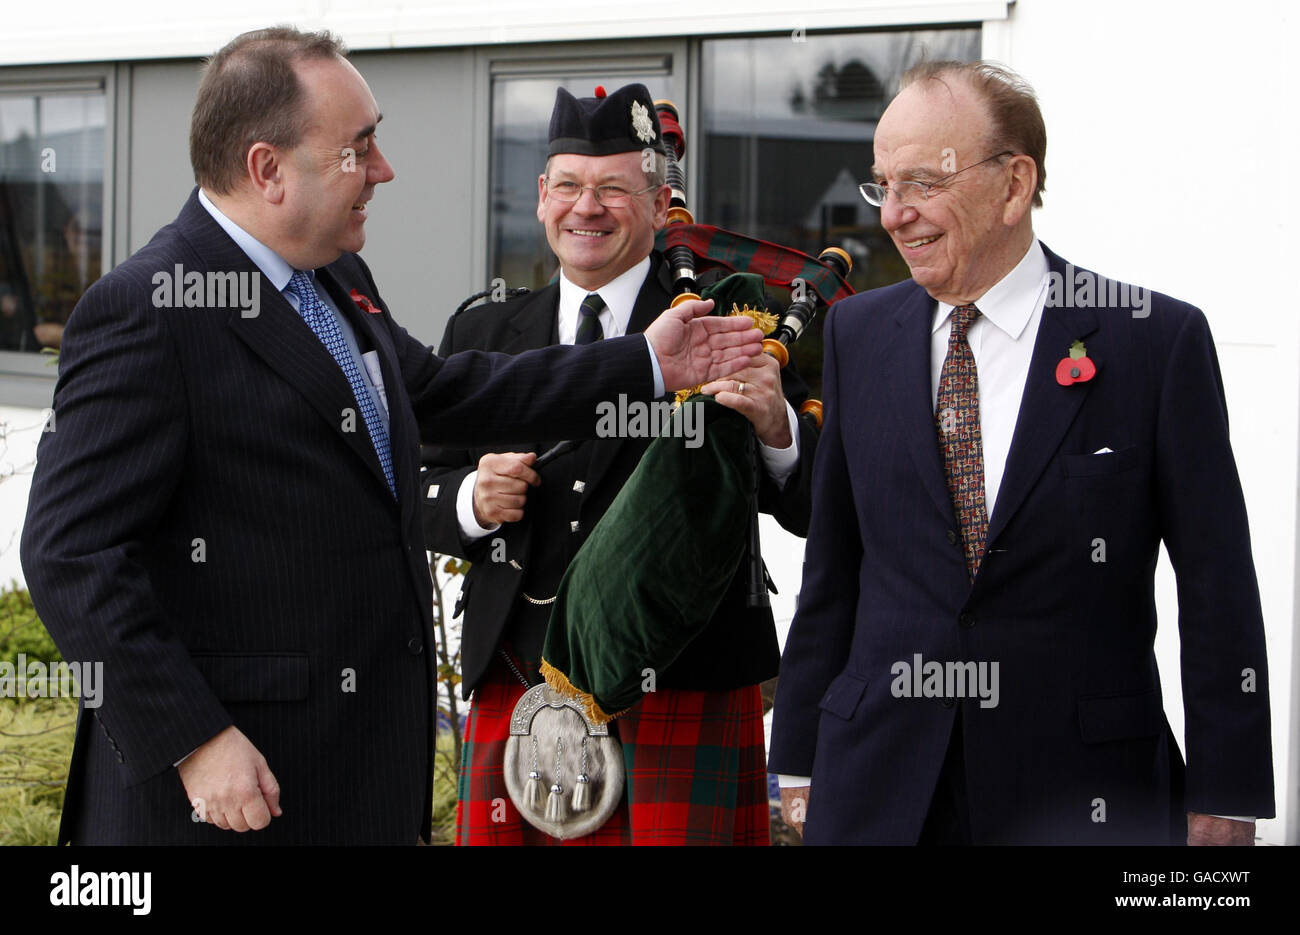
[[589, 329]]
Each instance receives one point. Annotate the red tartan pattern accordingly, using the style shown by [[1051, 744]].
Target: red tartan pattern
[[957, 417], [736, 253], [696, 771]]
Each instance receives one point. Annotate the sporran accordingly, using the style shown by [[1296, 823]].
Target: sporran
[[563, 772]]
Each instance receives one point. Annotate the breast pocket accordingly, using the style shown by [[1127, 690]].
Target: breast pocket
[[1108, 504], [1095, 465]]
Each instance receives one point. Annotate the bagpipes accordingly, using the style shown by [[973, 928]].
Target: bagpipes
[[654, 570], [818, 282], [684, 240]]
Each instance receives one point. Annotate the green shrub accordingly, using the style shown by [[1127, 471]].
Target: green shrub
[[35, 734], [28, 823], [21, 631]]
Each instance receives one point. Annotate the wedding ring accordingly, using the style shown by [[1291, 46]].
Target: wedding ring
[[741, 389]]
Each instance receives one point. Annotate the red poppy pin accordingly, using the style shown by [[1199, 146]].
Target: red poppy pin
[[366, 304], [1075, 367]]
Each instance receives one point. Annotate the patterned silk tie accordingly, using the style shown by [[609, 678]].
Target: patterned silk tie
[[326, 327], [957, 416], [589, 329]]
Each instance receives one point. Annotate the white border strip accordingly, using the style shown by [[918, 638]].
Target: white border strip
[[134, 33]]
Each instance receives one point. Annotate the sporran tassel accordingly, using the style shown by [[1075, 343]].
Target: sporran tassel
[[582, 794], [533, 788], [582, 788], [555, 801], [555, 804]]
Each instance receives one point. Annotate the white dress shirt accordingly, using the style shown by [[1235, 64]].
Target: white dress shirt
[[619, 296], [1002, 342]]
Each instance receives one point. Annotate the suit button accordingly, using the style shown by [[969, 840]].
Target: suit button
[[415, 646], [967, 620], [952, 536], [949, 702]]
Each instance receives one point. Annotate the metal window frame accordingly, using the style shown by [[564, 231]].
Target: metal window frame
[[588, 56], [28, 379], [606, 58]]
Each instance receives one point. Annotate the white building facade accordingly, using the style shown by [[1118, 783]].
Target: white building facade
[[1167, 166]]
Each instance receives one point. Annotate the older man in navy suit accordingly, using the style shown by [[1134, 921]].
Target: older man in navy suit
[[227, 512], [1008, 440]]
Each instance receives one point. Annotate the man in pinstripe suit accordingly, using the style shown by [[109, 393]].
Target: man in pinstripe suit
[[226, 515]]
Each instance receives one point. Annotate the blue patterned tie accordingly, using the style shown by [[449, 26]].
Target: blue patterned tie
[[326, 327]]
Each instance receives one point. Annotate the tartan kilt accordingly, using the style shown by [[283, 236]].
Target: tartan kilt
[[696, 771]]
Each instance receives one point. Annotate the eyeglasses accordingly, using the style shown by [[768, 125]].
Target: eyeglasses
[[610, 196], [911, 194]]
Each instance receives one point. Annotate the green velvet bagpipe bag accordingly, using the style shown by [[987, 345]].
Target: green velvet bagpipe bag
[[656, 566], [652, 573]]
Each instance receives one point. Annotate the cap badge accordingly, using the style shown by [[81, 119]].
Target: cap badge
[[641, 124]]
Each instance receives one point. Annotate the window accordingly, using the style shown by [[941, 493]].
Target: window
[[51, 208], [523, 95], [787, 136]]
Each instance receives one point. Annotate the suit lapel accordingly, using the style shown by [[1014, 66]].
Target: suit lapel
[[653, 298], [1046, 408], [907, 375], [533, 326], [279, 336]]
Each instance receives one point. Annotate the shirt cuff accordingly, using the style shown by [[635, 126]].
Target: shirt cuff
[[654, 366], [1234, 818], [792, 782], [781, 462], [469, 527]]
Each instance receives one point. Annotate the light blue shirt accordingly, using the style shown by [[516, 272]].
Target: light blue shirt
[[278, 272]]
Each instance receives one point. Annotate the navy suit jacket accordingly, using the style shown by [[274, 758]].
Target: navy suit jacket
[[1078, 748], [303, 616]]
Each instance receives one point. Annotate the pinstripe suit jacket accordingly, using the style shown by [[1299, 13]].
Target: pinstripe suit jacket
[[1077, 747], [203, 521]]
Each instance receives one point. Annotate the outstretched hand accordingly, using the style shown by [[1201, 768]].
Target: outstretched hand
[[694, 347]]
